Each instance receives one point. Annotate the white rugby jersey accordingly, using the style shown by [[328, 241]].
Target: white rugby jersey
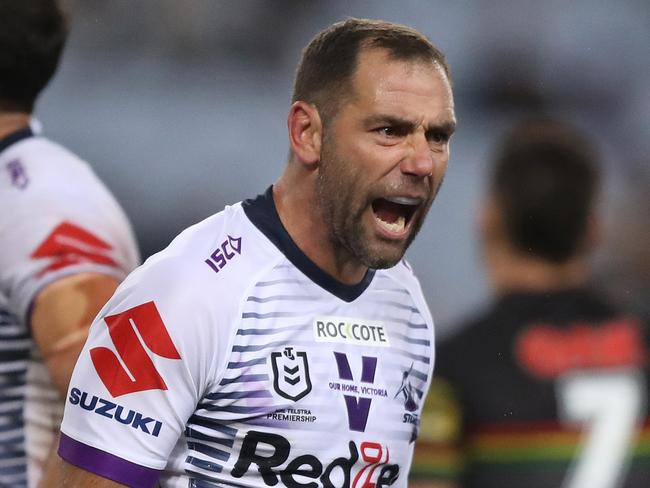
[[57, 219], [230, 359]]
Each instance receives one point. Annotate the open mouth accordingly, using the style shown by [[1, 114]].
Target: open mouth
[[393, 214]]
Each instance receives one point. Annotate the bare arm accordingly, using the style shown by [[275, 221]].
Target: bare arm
[[65, 475], [62, 315]]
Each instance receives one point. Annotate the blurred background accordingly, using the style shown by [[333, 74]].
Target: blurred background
[[180, 106]]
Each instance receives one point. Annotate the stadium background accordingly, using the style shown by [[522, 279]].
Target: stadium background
[[180, 106]]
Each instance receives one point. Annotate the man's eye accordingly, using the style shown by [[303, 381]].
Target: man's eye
[[437, 137], [390, 132]]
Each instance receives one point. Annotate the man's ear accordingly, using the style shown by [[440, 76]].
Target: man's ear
[[305, 132]]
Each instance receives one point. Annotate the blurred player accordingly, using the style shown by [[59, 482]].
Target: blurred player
[[547, 387], [65, 243], [284, 341]]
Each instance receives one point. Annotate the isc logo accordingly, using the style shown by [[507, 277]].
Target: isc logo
[[130, 331], [224, 253]]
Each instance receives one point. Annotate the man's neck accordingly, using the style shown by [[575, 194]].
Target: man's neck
[[512, 272], [297, 210], [12, 121]]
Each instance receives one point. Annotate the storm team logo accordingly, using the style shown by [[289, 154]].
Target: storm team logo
[[291, 374], [407, 391]]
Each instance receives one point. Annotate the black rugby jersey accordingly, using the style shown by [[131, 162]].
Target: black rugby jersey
[[540, 391]]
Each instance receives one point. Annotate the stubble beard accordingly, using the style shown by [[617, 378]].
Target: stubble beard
[[342, 213]]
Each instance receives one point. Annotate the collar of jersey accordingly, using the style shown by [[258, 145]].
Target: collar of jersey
[[262, 213], [14, 137]]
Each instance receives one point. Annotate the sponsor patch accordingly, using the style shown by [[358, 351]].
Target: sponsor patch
[[547, 352], [348, 330], [133, 370], [365, 465], [114, 411], [303, 415]]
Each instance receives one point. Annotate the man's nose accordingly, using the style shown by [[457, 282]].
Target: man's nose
[[419, 161]]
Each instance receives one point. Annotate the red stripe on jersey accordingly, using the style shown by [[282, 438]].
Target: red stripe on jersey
[[69, 244]]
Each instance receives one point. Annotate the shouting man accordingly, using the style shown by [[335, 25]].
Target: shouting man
[[271, 344]]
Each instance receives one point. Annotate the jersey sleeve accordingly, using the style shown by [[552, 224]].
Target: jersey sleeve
[[60, 220], [146, 363]]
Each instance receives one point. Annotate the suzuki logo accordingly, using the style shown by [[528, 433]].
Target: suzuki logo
[[358, 408], [130, 331]]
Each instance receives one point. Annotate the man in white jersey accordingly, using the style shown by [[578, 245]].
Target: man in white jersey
[[65, 243], [283, 341]]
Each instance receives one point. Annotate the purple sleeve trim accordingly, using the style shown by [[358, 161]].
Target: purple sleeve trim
[[106, 465]]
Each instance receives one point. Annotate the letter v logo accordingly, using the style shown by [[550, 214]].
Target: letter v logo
[[358, 408], [130, 331]]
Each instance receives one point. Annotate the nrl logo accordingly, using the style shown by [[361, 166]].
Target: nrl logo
[[291, 374]]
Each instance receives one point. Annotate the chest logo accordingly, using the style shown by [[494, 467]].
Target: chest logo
[[291, 374], [358, 407]]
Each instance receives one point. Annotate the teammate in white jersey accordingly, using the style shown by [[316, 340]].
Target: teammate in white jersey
[[65, 243], [283, 341]]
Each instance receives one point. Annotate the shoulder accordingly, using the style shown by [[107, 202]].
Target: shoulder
[[222, 242], [211, 264], [196, 287], [478, 336], [40, 170], [62, 221], [599, 303], [40, 155]]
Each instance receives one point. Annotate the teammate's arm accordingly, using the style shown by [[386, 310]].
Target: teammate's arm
[[62, 313], [61, 316], [65, 475]]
